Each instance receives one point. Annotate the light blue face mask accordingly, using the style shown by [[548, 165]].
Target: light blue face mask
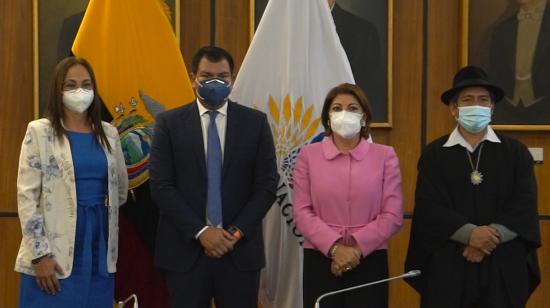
[[474, 118]]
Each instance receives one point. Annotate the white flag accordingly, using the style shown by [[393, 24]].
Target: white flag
[[293, 61]]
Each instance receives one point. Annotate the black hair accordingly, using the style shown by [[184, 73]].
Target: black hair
[[212, 54]]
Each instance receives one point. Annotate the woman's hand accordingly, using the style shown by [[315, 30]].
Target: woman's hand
[[45, 271], [345, 258], [335, 269]]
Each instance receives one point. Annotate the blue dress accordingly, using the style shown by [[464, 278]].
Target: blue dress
[[89, 285]]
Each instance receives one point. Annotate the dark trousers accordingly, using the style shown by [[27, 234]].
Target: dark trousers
[[216, 279], [318, 279]]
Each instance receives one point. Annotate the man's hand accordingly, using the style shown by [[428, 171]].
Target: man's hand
[[484, 238], [45, 271], [345, 258], [216, 242], [473, 255]]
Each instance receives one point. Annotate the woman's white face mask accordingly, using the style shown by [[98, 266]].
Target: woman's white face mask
[[78, 100], [346, 124]]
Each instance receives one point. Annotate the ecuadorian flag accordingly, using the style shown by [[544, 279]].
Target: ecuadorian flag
[[135, 56]]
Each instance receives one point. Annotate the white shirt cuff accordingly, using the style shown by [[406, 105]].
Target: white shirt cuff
[[200, 232]]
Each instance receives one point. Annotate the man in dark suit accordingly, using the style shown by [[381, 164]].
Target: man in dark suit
[[519, 63], [361, 42], [213, 177]]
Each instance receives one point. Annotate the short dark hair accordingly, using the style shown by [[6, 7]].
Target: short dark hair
[[55, 111], [212, 54], [351, 89]]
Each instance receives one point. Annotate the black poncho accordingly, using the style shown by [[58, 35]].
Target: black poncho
[[446, 200]]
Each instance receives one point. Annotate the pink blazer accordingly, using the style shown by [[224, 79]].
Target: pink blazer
[[347, 197]]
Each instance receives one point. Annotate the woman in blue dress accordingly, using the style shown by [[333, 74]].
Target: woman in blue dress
[[72, 179]]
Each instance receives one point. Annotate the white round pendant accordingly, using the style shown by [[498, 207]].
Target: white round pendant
[[476, 177]]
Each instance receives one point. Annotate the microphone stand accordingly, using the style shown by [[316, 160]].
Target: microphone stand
[[121, 304], [412, 273]]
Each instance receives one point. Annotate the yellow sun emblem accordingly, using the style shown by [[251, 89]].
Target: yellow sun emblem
[[291, 127]]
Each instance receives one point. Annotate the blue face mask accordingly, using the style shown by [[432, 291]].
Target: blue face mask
[[474, 118], [214, 92]]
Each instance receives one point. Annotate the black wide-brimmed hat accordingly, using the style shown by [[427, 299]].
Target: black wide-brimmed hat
[[471, 76]]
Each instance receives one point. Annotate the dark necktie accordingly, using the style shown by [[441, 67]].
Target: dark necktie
[[214, 168]]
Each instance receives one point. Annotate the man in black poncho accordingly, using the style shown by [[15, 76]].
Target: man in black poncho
[[475, 226]]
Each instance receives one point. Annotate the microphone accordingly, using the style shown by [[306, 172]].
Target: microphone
[[121, 304], [412, 273]]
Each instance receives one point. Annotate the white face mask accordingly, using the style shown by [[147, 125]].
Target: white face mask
[[78, 100], [346, 124]]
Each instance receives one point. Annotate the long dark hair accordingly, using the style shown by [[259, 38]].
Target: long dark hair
[[55, 111]]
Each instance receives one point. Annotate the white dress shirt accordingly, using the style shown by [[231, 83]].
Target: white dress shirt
[[221, 123], [456, 138]]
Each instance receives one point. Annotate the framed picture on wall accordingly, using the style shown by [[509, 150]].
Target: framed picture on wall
[[510, 39], [365, 31], [55, 24]]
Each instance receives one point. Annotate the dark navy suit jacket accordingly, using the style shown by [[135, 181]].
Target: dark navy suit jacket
[[179, 184]]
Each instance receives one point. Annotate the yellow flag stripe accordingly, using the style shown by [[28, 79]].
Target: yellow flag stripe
[[131, 46]]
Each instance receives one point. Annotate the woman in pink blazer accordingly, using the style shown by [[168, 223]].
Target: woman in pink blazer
[[347, 204]]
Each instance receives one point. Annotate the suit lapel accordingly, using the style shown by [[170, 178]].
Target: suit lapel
[[194, 127], [111, 166], [509, 58], [543, 43], [230, 134], [64, 159]]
